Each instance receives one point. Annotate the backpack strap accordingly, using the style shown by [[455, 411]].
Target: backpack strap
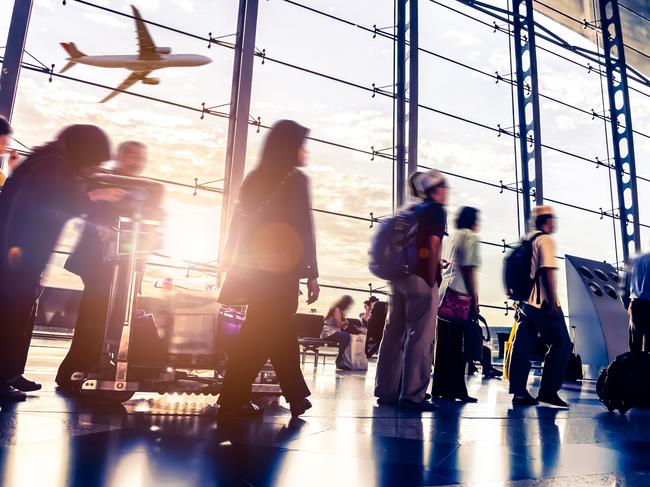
[[538, 287]]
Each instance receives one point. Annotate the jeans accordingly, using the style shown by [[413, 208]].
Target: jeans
[[532, 321]]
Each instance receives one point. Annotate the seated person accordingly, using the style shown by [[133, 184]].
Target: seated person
[[367, 310], [336, 327]]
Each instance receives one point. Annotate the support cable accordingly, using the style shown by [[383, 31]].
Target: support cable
[[372, 152]]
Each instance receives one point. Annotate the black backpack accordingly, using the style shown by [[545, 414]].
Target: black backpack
[[624, 384], [516, 270]]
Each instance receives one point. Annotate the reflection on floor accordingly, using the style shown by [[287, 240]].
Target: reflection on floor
[[344, 440]]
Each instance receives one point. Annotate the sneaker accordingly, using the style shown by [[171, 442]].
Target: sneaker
[[246, 410], [418, 406], [298, 408], [22, 384], [552, 399], [526, 400]]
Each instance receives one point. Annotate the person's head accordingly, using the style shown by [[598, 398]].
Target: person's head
[[84, 147], [343, 304], [282, 151], [131, 157], [543, 218], [434, 186], [284, 148], [368, 303], [467, 218], [5, 133], [414, 185]]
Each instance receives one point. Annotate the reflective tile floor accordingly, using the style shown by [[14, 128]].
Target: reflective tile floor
[[50, 440]]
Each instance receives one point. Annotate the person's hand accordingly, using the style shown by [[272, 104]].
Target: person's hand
[[313, 290], [12, 162], [110, 195]]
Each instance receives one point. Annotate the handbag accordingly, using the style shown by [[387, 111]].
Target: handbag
[[236, 288], [473, 337], [455, 305]]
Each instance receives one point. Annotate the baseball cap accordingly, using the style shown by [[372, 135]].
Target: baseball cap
[[430, 179]]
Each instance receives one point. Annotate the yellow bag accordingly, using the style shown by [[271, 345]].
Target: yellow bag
[[507, 352]]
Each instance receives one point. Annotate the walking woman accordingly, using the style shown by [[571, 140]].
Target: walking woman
[[42, 194], [271, 246]]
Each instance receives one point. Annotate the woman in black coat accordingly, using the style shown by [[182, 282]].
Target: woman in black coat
[[271, 246], [43, 193]]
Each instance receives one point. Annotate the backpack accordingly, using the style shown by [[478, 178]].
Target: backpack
[[516, 271], [624, 384], [393, 252]]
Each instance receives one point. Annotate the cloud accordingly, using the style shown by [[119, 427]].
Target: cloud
[[108, 20], [187, 5]]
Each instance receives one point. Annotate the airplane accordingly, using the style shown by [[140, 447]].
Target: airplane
[[148, 59]]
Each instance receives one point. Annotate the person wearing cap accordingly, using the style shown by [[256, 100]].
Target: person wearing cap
[[541, 315], [406, 351]]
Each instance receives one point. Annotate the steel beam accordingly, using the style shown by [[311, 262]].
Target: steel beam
[[13, 57], [400, 101], [621, 126], [240, 100], [530, 133], [413, 90]]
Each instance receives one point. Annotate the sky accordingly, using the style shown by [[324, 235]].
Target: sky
[[183, 147]]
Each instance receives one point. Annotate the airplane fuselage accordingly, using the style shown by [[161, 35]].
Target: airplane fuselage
[[134, 63]]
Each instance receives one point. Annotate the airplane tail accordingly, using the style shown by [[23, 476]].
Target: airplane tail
[[72, 50]]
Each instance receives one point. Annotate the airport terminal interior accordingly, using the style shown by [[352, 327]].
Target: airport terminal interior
[[344, 440], [525, 112]]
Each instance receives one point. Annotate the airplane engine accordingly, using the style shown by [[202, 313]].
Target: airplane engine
[[151, 81], [163, 50]]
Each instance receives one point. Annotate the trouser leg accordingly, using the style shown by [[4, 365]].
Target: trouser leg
[[522, 348], [421, 315], [18, 295], [639, 328], [390, 360], [343, 338], [86, 347], [247, 357], [556, 336], [268, 332], [285, 357]]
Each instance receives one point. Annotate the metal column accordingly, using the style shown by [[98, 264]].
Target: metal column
[[413, 94], [400, 101], [621, 126], [13, 57], [406, 108], [240, 100], [530, 133]]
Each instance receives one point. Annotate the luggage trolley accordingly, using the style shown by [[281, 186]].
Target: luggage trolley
[[142, 355]]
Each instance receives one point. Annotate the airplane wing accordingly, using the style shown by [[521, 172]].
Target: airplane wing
[[145, 42], [127, 83]]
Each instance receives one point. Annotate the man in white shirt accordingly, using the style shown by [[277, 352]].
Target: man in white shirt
[[541, 315]]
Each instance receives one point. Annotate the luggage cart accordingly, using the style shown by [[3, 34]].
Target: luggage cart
[[139, 356]]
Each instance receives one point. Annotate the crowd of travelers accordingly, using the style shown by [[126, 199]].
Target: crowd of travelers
[[429, 337]]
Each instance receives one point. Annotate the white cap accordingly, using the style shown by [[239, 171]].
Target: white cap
[[431, 179]]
